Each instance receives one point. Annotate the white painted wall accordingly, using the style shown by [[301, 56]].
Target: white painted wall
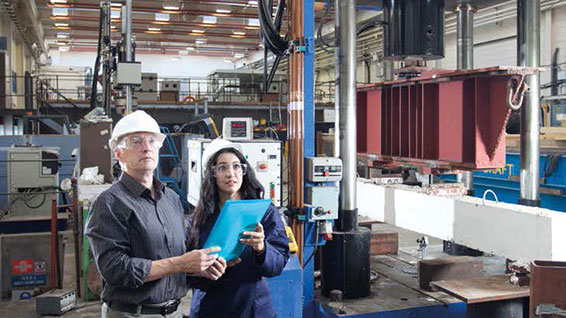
[[164, 65]]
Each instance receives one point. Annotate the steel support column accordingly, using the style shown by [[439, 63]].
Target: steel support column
[[346, 47], [345, 259], [127, 31], [465, 61], [528, 47]]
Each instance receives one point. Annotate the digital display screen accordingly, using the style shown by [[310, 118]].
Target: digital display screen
[[239, 129]]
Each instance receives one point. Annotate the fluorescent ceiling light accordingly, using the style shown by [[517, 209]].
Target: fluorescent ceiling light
[[62, 35], [253, 22], [200, 41], [208, 19], [62, 43], [224, 11], [171, 5], [198, 31], [190, 48], [238, 55], [64, 49], [252, 3], [60, 11], [239, 33], [115, 14], [153, 29], [61, 24], [162, 17], [116, 4], [58, 1]]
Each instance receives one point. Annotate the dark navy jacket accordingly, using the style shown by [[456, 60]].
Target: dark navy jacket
[[242, 291]]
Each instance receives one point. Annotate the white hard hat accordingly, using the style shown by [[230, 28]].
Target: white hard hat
[[138, 121], [215, 146]]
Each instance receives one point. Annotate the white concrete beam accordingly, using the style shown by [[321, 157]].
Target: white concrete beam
[[508, 230]]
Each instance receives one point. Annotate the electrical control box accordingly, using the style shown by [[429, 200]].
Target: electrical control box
[[324, 200], [264, 156], [148, 83], [32, 177], [170, 86], [128, 73], [324, 169], [56, 302], [240, 128]]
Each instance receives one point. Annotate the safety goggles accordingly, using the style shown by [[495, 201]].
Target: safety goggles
[[137, 142], [222, 169]]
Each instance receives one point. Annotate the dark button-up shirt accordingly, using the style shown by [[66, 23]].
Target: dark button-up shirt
[[242, 291], [127, 230]]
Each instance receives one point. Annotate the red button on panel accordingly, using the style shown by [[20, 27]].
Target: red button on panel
[[263, 166], [326, 173]]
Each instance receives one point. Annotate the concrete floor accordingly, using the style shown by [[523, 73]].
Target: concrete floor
[[408, 250]]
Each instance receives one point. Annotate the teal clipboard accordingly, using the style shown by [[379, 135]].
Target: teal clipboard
[[235, 218]]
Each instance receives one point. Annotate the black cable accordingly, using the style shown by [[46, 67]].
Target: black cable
[[35, 206], [374, 22], [315, 246], [322, 43], [96, 63], [271, 37], [550, 164]]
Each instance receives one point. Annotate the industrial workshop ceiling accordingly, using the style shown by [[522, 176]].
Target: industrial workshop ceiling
[[221, 28], [185, 27]]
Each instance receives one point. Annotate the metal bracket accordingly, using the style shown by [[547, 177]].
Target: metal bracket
[[310, 45]]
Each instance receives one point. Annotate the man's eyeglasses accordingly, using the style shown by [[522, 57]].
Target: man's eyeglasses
[[137, 142], [221, 170]]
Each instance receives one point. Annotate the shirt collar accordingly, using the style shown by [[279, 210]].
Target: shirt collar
[[137, 188]]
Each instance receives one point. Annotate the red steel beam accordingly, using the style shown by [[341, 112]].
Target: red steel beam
[[452, 120]]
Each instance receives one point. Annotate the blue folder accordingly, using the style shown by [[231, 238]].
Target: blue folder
[[235, 218]]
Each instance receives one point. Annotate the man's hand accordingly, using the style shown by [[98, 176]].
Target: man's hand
[[198, 261], [256, 239]]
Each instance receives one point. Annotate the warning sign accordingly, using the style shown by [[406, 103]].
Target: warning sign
[[39, 267], [29, 280], [22, 266]]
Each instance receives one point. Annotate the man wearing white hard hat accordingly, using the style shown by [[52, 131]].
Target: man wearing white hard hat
[[137, 233]]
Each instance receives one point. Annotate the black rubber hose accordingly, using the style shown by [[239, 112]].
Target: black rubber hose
[[374, 22], [93, 90], [272, 39]]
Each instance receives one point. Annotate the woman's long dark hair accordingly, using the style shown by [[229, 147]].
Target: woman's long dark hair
[[208, 202]]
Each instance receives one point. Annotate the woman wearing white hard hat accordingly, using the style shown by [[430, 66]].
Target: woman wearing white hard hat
[[137, 234], [242, 291]]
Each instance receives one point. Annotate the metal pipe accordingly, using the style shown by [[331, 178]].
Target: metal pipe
[[465, 61], [206, 105], [346, 36], [53, 258], [127, 31], [106, 57], [76, 232], [295, 113], [336, 91], [528, 47], [388, 70]]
